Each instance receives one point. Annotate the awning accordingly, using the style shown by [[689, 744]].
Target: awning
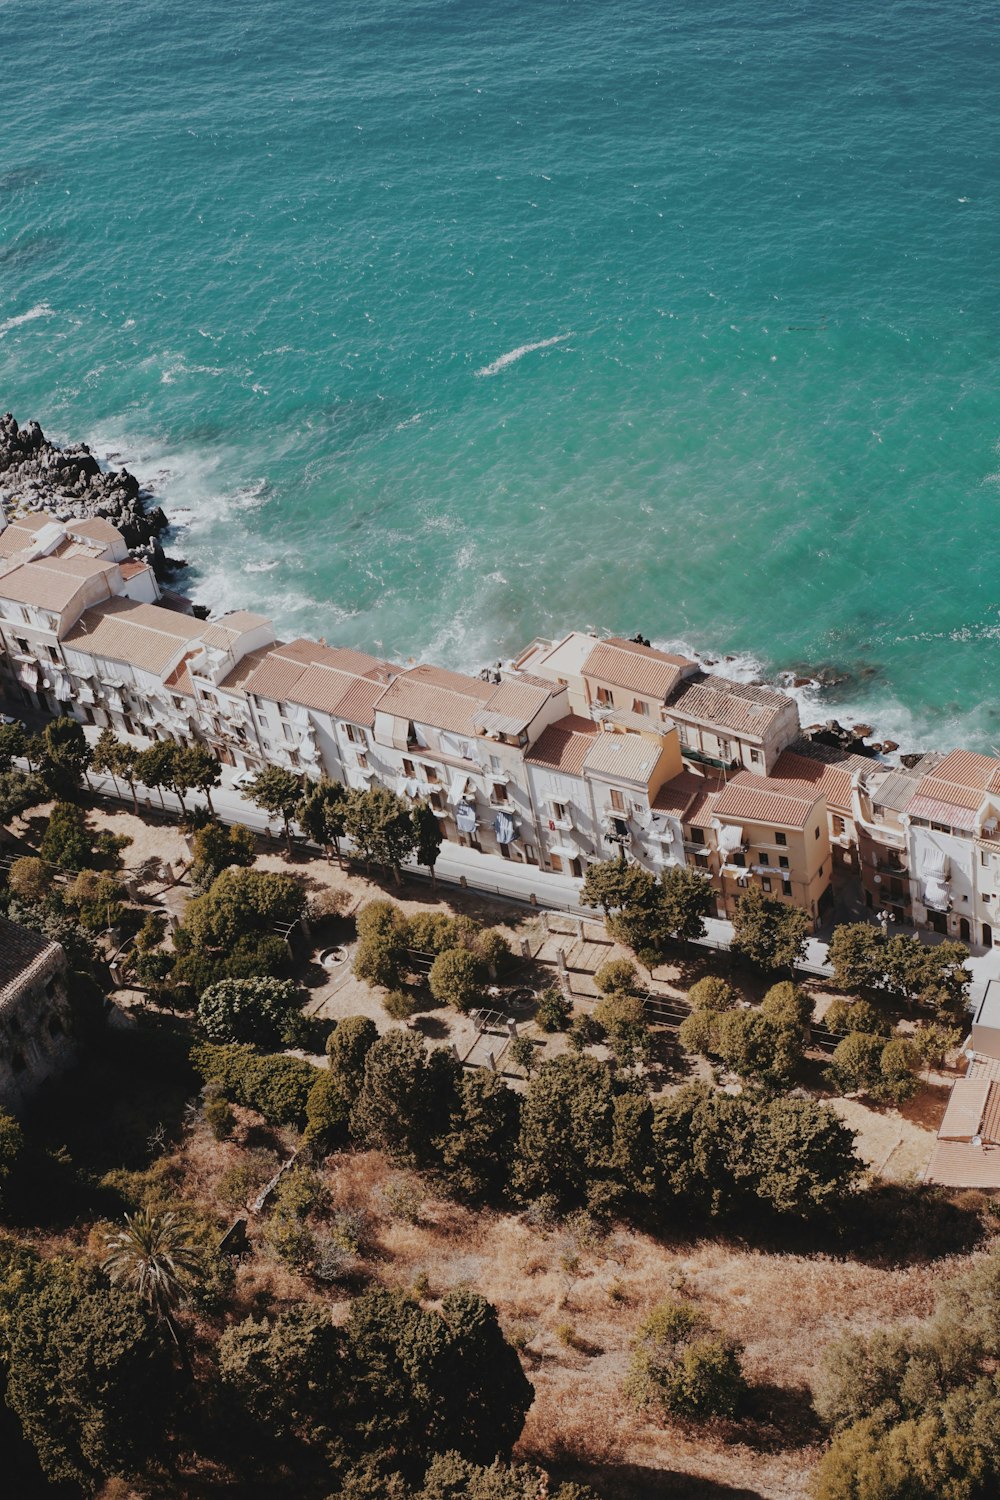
[[459, 785], [452, 744], [503, 827], [565, 850], [465, 818], [730, 838]]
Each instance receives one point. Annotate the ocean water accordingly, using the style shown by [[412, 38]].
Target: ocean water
[[438, 325]]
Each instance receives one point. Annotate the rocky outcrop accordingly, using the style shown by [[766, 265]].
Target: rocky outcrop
[[36, 474]]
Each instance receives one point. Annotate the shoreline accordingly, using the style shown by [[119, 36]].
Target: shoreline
[[37, 474]]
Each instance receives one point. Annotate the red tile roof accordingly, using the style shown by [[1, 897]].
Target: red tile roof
[[763, 799], [564, 745], [637, 669]]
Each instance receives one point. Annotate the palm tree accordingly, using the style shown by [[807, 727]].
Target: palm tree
[[154, 1255]]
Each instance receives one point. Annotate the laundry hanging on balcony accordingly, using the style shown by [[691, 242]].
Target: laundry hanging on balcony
[[465, 818], [730, 838], [503, 827], [934, 873], [459, 787]]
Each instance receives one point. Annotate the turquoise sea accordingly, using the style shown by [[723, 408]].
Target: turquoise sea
[[289, 262]]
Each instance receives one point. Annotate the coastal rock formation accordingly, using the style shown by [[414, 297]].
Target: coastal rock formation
[[36, 474]]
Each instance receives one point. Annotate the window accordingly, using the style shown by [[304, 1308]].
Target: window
[[839, 826], [816, 832], [697, 835], [683, 734], [941, 827], [755, 757], [499, 792], [765, 859], [558, 811], [765, 883], [53, 653], [783, 861], [288, 731], [725, 750], [435, 801], [355, 735], [362, 760], [781, 839], [619, 828], [22, 645], [640, 706], [430, 773], [984, 858], [739, 859], [604, 696], [617, 800], [494, 763], [408, 767]]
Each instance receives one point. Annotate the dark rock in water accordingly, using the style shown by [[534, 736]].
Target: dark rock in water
[[863, 731], [200, 611], [911, 759], [802, 682], [37, 474], [834, 734], [888, 746]]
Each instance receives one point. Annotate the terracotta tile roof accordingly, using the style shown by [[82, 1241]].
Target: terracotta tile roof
[[358, 704], [22, 954], [21, 533], [736, 706], [53, 582], [440, 699], [966, 1105], [179, 680], [677, 796], [894, 790], [833, 781], [940, 790], [221, 633], [235, 681], [512, 706], [637, 669], [702, 809], [965, 768], [959, 1164], [950, 813], [763, 799], [563, 745], [273, 676], [96, 530], [144, 635], [631, 757]]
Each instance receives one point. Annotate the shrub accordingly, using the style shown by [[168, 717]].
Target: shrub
[[219, 1117], [30, 879], [617, 977], [552, 1012], [456, 978], [291, 1242], [299, 1194], [681, 1369], [712, 993], [522, 1054], [276, 1087], [585, 1032], [699, 1032], [493, 950], [248, 1010], [398, 1005]]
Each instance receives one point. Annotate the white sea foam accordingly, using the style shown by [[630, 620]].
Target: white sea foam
[[515, 354], [40, 310]]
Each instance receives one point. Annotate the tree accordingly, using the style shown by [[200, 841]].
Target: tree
[[277, 791], [30, 879], [87, 1375], [450, 1477], [802, 1160], [249, 1010], [856, 1065], [277, 1087], [767, 932], [699, 1032], [116, 758], [899, 1064], [154, 767], [757, 1047], [521, 1052], [934, 1041], [617, 976], [842, 1016], [608, 884], [456, 978], [427, 835], [688, 898], [154, 1256], [552, 1012], [570, 1145], [406, 1097], [789, 1005], [381, 954], [680, 1368], [424, 1382], [67, 840], [381, 829], [13, 744], [322, 813], [337, 1086], [217, 848], [65, 758], [199, 770], [712, 993], [242, 903], [479, 1144], [12, 1156], [19, 791], [97, 899], [283, 1375], [856, 952]]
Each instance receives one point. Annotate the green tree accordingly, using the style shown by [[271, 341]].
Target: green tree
[[277, 791], [249, 1010], [521, 1052], [217, 848], [856, 1065], [19, 792], [380, 828], [154, 767], [757, 1047], [199, 770], [65, 758], [427, 836], [406, 1097], [383, 938], [688, 898], [680, 1368], [13, 744], [843, 1016], [617, 976], [712, 993], [337, 1087], [452, 1478], [699, 1032], [116, 758], [87, 1376], [482, 1133], [30, 879], [802, 1159], [767, 932], [242, 903], [552, 1012], [12, 1158], [899, 1064], [322, 813], [67, 840], [97, 899], [276, 1087], [283, 1376], [857, 952], [154, 1256], [608, 884], [457, 978], [789, 1005]]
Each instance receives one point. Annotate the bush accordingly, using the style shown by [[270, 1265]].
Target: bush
[[456, 978], [276, 1087], [789, 1005], [493, 950], [552, 1012], [219, 1117], [681, 1369], [617, 977], [699, 1032], [585, 1032], [712, 993], [398, 1005], [248, 1010], [30, 879]]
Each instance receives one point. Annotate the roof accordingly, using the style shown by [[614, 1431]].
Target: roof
[[512, 706], [234, 681], [677, 796], [952, 814], [21, 533], [953, 792], [146, 636], [52, 582], [960, 1164], [972, 1116], [763, 799], [438, 698], [22, 954], [894, 790], [638, 669], [221, 633], [131, 568], [702, 810], [563, 746], [632, 757], [307, 672], [966, 1107], [831, 781], [966, 768], [96, 529], [358, 704], [740, 707]]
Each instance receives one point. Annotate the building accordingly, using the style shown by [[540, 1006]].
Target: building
[[774, 834], [953, 836], [36, 1020]]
